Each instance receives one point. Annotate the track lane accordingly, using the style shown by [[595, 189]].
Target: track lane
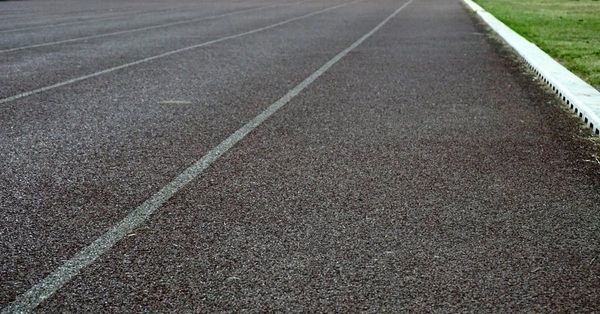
[[407, 178], [56, 31], [44, 18], [154, 26], [141, 214], [77, 149], [54, 24], [30, 72], [383, 187]]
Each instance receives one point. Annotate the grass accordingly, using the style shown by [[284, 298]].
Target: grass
[[568, 30]]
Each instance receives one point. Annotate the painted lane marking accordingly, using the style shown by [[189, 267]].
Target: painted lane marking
[[165, 54], [140, 29], [174, 102], [27, 301]]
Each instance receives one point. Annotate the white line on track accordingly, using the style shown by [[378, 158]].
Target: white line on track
[[165, 54], [27, 301], [140, 29]]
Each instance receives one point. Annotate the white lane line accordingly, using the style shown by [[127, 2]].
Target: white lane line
[[174, 102], [172, 52], [27, 301], [140, 29]]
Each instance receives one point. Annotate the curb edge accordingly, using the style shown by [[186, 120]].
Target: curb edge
[[579, 96]]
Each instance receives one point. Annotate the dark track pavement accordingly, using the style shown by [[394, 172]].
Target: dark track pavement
[[424, 171]]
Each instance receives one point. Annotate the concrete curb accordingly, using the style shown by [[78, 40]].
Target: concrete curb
[[581, 97]]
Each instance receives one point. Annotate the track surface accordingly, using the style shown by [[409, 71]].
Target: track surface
[[423, 171]]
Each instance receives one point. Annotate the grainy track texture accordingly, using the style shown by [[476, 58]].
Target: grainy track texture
[[424, 171]]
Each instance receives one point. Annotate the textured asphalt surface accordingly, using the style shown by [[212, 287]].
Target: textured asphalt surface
[[425, 171]]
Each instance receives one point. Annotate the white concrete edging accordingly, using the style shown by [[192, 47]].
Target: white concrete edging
[[580, 96]]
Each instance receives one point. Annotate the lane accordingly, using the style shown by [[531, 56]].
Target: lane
[[179, 21], [44, 17], [180, 9], [77, 165], [405, 178], [37, 12], [54, 24], [31, 72], [139, 216]]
